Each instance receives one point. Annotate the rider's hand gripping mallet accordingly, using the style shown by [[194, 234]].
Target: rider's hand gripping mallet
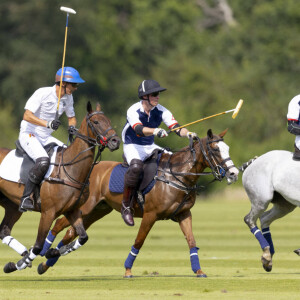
[[71, 11], [235, 113]]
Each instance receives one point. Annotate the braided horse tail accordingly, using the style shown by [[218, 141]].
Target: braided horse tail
[[245, 165]]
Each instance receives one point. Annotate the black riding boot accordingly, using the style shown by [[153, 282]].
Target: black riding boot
[[126, 206], [26, 201]]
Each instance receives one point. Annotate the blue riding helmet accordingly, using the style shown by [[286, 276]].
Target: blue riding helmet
[[70, 75]]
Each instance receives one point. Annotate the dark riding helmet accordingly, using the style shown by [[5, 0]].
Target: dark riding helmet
[[69, 75], [148, 87]]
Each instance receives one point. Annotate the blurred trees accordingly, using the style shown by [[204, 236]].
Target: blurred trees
[[116, 44]]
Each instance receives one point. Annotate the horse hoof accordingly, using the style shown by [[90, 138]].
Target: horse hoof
[[201, 274], [267, 265], [10, 267], [297, 251], [42, 268], [51, 253], [128, 276]]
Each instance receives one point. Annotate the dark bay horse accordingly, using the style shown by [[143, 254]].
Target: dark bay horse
[[172, 196], [67, 190]]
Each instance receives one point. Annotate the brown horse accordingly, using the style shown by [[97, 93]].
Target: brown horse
[[67, 190], [172, 196]]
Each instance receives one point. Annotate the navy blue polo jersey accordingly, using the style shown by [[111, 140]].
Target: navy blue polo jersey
[[136, 115]]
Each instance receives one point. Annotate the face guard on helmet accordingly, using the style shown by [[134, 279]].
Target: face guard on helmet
[[70, 75], [148, 87]]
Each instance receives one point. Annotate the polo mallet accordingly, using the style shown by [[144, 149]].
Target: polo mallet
[[68, 11], [235, 113]]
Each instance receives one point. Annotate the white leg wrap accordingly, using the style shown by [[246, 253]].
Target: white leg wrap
[[77, 245], [25, 261], [70, 247], [14, 244]]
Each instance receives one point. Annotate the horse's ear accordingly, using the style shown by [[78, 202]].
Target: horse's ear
[[98, 107], [223, 133], [210, 134], [89, 107]]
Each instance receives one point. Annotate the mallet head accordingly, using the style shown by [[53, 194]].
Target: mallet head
[[237, 109], [68, 10]]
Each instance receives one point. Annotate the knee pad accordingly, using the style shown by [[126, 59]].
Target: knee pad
[[37, 173], [132, 176]]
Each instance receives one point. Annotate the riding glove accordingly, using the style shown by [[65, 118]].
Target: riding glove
[[160, 132], [71, 129], [54, 124], [191, 135]]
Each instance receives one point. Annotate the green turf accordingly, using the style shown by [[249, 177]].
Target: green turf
[[229, 254]]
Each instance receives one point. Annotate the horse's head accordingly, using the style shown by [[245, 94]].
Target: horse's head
[[99, 128], [219, 159]]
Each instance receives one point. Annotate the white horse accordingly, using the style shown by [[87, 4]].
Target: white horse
[[273, 177]]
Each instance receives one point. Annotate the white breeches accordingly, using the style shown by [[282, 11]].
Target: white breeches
[[134, 151], [34, 147]]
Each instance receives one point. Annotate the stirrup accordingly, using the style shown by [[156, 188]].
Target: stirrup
[[26, 204], [127, 215]]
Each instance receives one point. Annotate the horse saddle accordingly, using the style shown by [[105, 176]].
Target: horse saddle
[[28, 162], [147, 181]]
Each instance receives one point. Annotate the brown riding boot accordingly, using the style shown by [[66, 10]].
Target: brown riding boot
[[126, 206]]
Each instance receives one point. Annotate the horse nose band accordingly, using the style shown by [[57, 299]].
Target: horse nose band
[[101, 139], [220, 168]]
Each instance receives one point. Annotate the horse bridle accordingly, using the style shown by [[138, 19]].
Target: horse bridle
[[101, 141], [101, 138], [219, 168]]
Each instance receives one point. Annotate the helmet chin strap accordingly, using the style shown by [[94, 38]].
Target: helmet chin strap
[[149, 101]]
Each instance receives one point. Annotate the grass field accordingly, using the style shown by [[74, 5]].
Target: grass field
[[229, 255]]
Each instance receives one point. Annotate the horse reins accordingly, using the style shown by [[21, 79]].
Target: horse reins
[[101, 141], [217, 170]]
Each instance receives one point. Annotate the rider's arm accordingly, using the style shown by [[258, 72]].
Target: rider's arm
[[293, 127], [72, 121], [31, 118], [183, 132], [143, 130]]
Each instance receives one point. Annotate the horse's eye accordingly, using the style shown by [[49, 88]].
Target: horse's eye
[[96, 122]]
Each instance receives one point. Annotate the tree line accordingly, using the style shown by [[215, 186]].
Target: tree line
[[208, 54]]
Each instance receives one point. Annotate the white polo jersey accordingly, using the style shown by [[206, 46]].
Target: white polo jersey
[[43, 104], [294, 109], [294, 115]]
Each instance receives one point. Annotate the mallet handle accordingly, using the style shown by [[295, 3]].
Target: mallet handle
[[222, 113], [62, 67]]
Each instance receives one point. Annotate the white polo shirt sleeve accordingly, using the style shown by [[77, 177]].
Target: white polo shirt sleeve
[[167, 117], [34, 102], [294, 109], [133, 115]]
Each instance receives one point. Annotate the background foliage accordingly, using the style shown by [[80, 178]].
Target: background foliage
[[116, 44]]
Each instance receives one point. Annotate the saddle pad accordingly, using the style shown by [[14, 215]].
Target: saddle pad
[[11, 166], [116, 181]]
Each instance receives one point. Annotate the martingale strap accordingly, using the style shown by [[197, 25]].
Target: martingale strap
[[186, 189]]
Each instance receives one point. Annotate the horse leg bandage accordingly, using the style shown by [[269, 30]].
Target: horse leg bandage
[[25, 261], [52, 261], [48, 242], [259, 236], [64, 250], [14, 244], [131, 258], [267, 235], [194, 259]]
